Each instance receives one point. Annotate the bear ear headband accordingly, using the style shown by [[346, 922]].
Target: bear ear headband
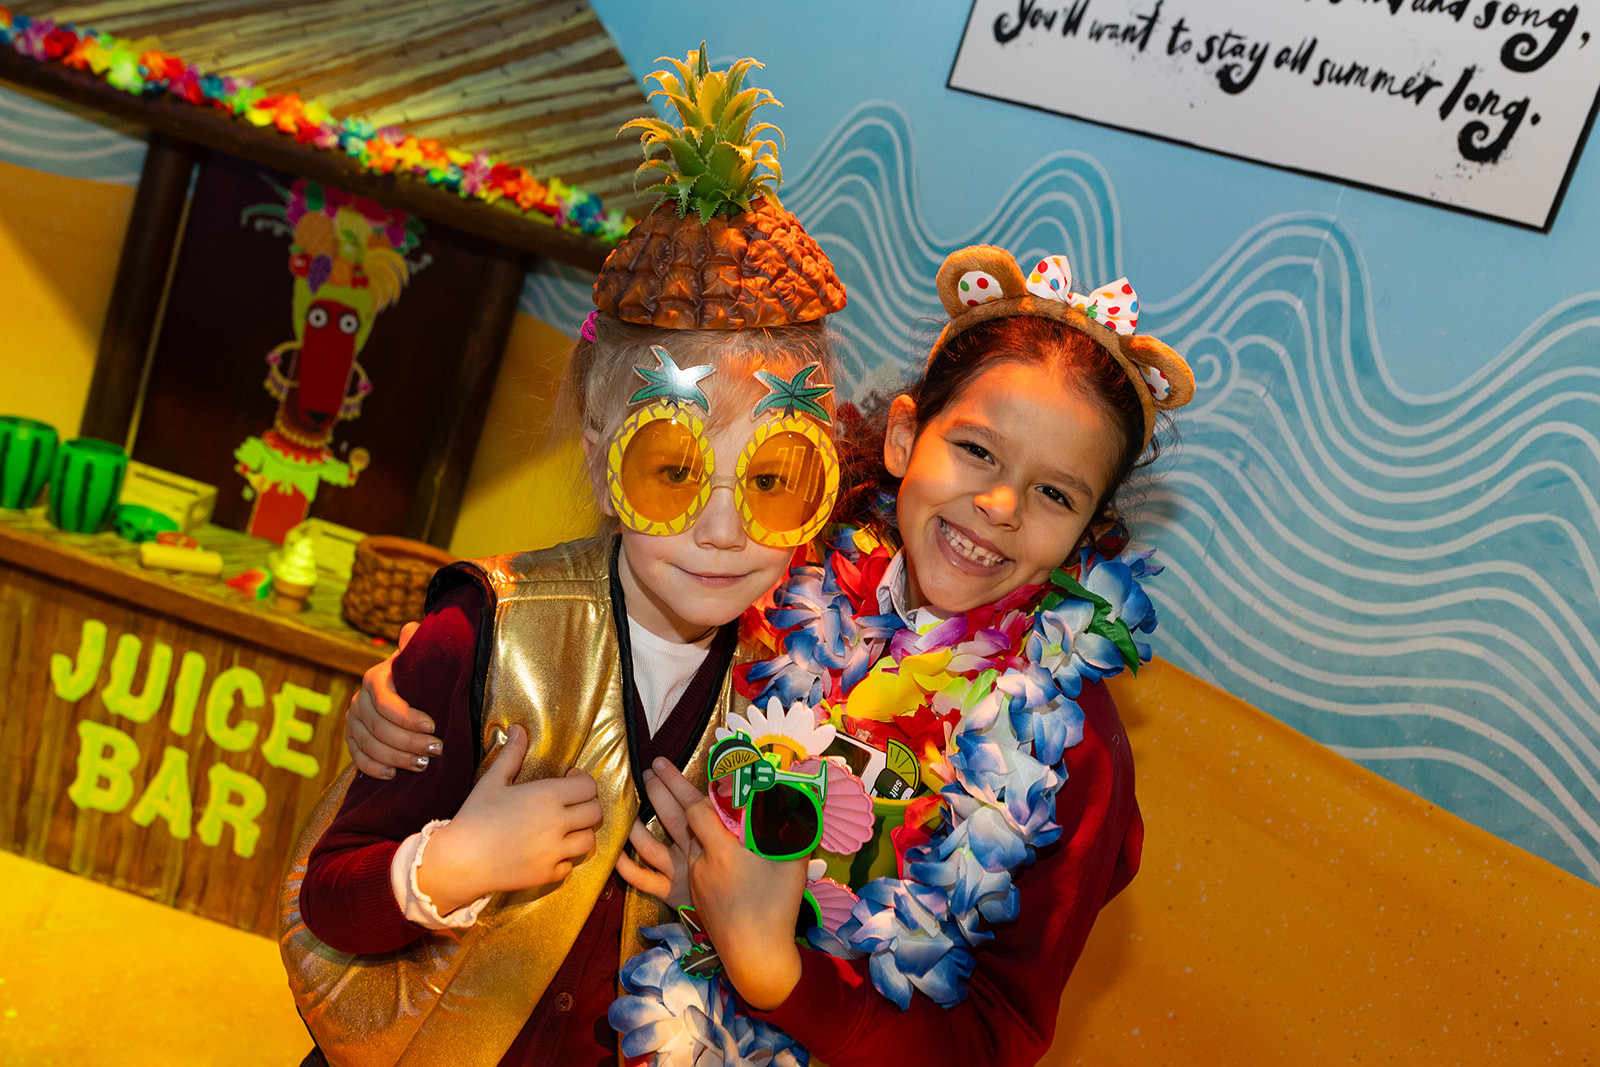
[[983, 282]]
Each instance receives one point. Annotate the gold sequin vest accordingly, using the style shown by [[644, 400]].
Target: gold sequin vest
[[461, 997]]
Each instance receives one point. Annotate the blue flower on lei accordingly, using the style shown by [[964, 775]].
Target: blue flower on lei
[[681, 1021], [826, 636], [1004, 757]]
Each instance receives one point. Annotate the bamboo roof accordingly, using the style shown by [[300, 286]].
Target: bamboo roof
[[535, 83]]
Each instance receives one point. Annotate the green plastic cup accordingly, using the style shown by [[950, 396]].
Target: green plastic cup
[[27, 450], [84, 484]]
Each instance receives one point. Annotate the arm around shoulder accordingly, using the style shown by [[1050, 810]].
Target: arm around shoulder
[[347, 899]]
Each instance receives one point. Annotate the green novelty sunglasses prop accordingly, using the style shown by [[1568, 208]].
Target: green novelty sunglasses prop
[[782, 809]]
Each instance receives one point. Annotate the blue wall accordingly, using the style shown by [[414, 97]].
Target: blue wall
[[1382, 523], [42, 136]]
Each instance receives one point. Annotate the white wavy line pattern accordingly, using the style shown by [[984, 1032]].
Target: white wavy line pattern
[[44, 138], [1409, 579]]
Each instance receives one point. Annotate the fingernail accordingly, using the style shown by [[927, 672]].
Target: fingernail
[[422, 761], [387, 772], [660, 764], [427, 726], [435, 749], [650, 776]]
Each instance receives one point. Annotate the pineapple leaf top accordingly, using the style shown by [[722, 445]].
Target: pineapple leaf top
[[715, 162]]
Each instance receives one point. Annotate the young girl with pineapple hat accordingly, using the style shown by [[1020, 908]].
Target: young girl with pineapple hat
[[980, 650], [471, 913]]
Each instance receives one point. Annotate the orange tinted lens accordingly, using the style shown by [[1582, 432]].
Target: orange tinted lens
[[784, 482], [662, 470]]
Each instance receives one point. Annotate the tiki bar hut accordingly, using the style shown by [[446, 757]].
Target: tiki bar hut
[[337, 210]]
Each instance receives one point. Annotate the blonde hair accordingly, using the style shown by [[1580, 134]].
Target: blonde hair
[[600, 375]]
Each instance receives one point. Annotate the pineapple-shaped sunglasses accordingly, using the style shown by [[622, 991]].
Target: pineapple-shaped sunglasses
[[661, 469]]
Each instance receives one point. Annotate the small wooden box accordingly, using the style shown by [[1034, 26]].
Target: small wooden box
[[333, 545], [183, 500]]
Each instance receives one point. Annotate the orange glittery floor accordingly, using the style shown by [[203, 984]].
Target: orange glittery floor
[[1293, 908], [91, 975]]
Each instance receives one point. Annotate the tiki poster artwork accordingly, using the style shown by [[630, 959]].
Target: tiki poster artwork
[[348, 262], [308, 340]]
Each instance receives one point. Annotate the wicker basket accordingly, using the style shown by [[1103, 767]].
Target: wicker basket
[[389, 582]]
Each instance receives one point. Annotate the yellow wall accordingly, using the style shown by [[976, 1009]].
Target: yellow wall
[[59, 243], [525, 490]]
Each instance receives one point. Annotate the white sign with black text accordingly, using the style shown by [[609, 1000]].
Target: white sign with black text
[[1478, 105]]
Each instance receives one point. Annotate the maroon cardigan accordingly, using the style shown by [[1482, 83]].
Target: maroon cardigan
[[1008, 1017]]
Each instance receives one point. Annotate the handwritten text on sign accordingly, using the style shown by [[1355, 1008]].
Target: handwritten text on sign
[[1481, 105]]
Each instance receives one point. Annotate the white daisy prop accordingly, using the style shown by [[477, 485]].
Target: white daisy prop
[[792, 734]]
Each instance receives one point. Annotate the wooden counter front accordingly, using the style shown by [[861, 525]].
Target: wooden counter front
[[159, 732]]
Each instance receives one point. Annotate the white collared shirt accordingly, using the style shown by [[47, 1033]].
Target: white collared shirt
[[663, 669], [892, 598]]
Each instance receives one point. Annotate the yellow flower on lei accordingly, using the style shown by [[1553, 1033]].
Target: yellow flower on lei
[[886, 693]]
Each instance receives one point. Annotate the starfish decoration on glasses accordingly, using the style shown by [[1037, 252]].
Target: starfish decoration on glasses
[[672, 383], [786, 396]]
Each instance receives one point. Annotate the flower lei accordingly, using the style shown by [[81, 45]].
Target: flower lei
[[678, 1019], [127, 66], [997, 688]]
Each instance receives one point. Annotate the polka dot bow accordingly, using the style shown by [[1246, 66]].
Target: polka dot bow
[[1114, 306]]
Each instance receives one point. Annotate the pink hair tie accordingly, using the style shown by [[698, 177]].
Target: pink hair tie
[[586, 331]]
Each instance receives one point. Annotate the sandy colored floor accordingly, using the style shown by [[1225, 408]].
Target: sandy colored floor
[[1292, 908], [92, 975]]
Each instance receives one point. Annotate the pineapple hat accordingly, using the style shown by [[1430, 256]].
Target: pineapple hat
[[719, 252]]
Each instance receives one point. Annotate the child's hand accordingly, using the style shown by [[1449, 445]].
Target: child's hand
[[381, 730], [748, 905], [510, 836], [667, 876]]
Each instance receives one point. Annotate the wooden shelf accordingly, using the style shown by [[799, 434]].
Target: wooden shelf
[[212, 128]]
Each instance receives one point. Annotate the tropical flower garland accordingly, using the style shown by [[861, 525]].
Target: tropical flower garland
[[147, 72], [998, 687], [679, 1019]]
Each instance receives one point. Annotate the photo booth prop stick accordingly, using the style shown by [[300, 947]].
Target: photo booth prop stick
[[782, 810]]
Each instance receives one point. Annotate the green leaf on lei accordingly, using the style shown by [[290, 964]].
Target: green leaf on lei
[[1114, 630]]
